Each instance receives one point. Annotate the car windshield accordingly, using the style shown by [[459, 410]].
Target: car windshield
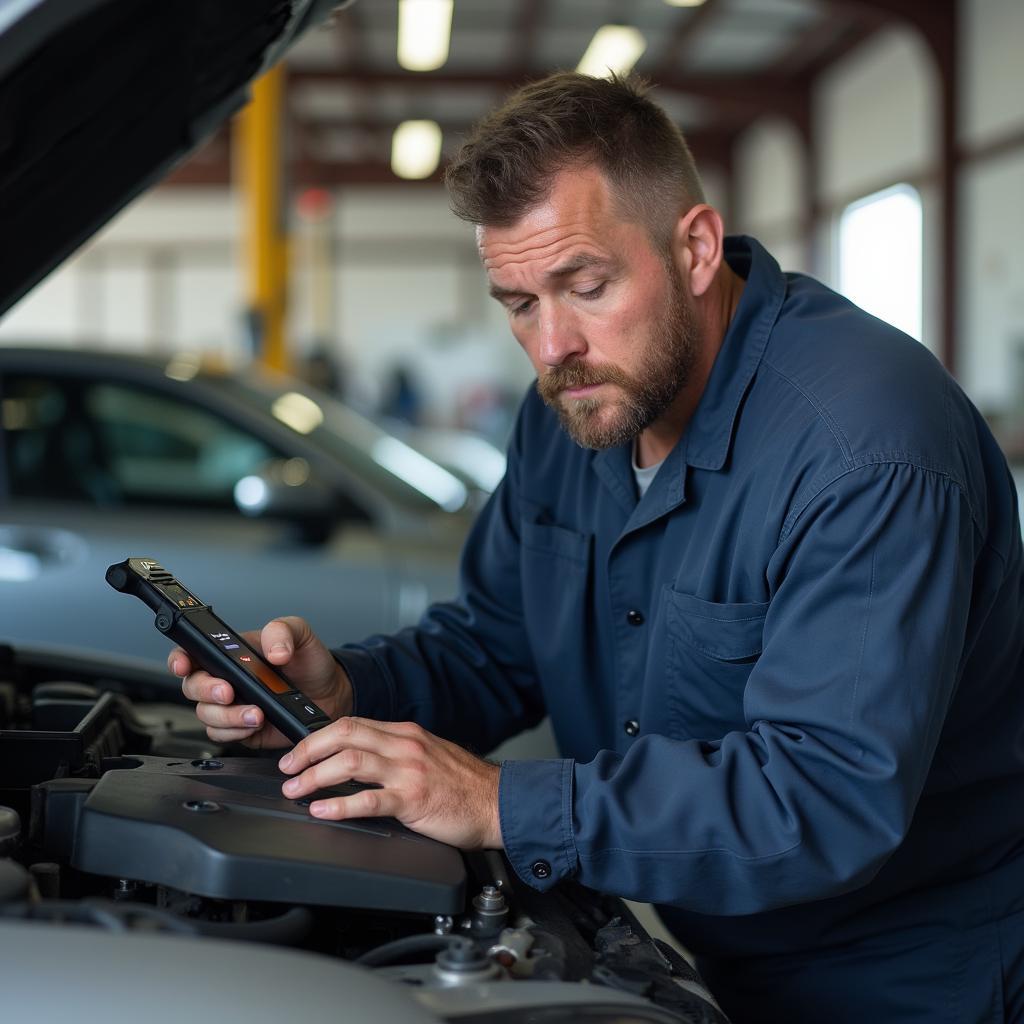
[[392, 464]]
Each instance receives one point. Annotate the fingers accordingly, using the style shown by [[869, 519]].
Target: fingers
[[279, 638], [390, 739], [429, 784], [244, 717], [225, 721], [178, 663], [368, 803], [344, 766], [200, 686]]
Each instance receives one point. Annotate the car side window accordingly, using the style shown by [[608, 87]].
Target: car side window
[[110, 444]]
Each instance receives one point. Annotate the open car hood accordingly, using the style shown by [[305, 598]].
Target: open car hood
[[99, 99]]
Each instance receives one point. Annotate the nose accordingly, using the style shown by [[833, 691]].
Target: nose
[[560, 336]]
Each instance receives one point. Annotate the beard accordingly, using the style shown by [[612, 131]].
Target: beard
[[668, 356]]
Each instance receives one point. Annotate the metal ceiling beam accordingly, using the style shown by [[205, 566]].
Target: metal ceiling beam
[[709, 147], [924, 15], [767, 92], [690, 22]]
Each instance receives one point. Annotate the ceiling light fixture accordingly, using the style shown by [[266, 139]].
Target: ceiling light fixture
[[613, 50], [416, 149], [424, 33], [685, 3]]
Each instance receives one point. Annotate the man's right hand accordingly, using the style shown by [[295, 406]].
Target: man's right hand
[[287, 643]]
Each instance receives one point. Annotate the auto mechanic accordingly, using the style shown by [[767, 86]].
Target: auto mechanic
[[757, 556]]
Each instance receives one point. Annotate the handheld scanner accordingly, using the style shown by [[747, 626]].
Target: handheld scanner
[[216, 647]]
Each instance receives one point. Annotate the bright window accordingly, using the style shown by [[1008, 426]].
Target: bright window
[[880, 249]]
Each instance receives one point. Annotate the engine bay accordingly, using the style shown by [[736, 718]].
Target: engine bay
[[120, 816]]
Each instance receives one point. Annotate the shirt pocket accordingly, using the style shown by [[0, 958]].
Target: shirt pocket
[[711, 651]]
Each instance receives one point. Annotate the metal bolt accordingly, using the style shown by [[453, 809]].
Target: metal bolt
[[489, 899], [202, 806]]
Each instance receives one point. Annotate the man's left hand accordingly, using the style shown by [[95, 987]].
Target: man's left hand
[[430, 785]]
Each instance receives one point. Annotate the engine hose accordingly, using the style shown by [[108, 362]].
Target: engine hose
[[289, 929], [392, 951]]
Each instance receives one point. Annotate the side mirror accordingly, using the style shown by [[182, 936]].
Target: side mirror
[[284, 489]]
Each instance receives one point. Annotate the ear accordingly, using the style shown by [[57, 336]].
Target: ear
[[697, 247]]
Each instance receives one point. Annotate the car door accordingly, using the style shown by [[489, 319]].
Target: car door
[[99, 469]]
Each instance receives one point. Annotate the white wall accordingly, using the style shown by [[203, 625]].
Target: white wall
[[992, 33], [991, 326], [876, 117], [877, 122], [992, 283], [770, 179]]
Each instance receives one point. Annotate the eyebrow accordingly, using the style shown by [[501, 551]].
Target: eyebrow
[[582, 261]]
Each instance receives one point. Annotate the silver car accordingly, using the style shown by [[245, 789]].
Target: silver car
[[263, 495]]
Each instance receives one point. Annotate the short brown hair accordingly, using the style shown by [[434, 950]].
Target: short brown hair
[[506, 166]]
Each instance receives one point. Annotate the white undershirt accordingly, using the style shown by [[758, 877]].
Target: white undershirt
[[645, 475]]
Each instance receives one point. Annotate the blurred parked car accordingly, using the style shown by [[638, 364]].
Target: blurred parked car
[[265, 496]]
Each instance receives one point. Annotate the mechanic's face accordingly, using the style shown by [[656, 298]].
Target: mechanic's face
[[601, 314]]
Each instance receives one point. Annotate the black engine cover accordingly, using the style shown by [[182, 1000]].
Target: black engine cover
[[223, 829]]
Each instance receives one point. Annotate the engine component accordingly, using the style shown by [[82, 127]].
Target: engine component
[[463, 963], [230, 834], [10, 831], [15, 882], [490, 913]]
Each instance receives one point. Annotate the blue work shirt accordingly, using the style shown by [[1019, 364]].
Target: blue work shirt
[[786, 683]]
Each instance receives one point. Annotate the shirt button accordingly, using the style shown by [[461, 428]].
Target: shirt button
[[541, 869], [634, 618], [632, 727]]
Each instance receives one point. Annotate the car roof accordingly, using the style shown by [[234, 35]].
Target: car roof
[[101, 98]]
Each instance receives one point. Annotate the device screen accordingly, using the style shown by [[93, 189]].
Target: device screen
[[236, 648]]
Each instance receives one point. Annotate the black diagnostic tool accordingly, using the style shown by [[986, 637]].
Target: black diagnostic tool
[[216, 647]]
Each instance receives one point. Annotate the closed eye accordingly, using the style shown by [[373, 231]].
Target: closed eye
[[593, 293], [521, 308]]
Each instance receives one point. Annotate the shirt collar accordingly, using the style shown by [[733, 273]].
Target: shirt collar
[[709, 433], [705, 443]]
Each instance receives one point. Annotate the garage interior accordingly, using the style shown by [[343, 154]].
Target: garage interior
[[877, 145], [797, 111]]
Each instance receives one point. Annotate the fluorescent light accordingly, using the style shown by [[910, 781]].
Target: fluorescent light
[[613, 50], [416, 149], [297, 411], [419, 472], [685, 3], [424, 32]]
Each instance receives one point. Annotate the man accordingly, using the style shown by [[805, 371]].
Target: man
[[766, 580]]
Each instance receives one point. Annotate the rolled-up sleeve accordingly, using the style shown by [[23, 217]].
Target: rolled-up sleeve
[[870, 591]]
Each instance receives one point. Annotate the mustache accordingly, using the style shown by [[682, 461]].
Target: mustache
[[578, 375]]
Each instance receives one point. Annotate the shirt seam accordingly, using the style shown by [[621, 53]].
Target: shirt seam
[[842, 441], [606, 850], [866, 462]]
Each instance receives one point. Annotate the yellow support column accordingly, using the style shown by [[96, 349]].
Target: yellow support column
[[264, 242]]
